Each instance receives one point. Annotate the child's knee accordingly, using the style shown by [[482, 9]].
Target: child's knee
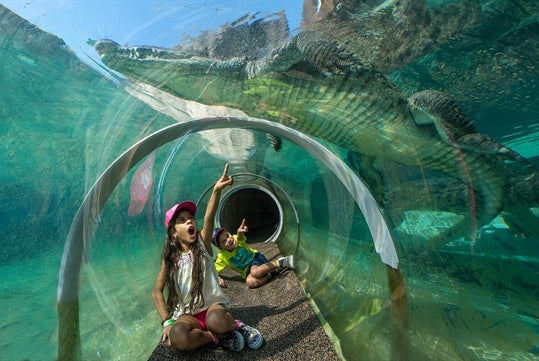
[[178, 336], [219, 321], [251, 282], [256, 272]]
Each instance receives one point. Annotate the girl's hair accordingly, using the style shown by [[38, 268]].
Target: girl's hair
[[171, 254]]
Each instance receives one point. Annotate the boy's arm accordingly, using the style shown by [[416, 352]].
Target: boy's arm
[[220, 265], [242, 229], [222, 282], [211, 210]]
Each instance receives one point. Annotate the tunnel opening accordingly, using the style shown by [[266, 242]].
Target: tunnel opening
[[258, 206]]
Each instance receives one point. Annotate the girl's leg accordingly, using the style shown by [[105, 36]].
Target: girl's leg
[[219, 320], [225, 328], [187, 334]]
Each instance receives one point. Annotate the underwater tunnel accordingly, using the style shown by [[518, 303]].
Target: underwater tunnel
[[414, 217], [270, 210]]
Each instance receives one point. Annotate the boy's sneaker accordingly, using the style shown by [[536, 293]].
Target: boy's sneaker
[[251, 335], [275, 273], [287, 261], [232, 340]]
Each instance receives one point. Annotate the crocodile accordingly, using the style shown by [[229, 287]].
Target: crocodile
[[321, 88], [483, 52]]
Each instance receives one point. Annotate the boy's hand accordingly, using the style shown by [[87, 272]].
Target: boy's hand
[[222, 282], [243, 227], [225, 180]]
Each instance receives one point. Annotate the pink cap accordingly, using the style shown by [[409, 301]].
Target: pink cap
[[175, 209]]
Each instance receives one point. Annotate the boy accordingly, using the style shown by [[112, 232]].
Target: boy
[[234, 252]]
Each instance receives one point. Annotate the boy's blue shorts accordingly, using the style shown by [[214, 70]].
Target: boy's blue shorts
[[259, 259]]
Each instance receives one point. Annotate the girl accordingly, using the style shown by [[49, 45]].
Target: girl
[[195, 311]]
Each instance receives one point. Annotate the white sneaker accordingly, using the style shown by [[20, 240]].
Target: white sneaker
[[287, 262], [252, 337]]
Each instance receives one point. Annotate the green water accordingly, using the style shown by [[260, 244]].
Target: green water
[[62, 124]]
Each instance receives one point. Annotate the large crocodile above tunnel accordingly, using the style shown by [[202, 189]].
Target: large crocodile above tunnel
[[482, 52], [325, 90]]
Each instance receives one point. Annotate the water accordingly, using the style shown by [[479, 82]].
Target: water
[[64, 122]]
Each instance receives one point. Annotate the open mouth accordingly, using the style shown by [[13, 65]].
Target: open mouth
[[191, 230]]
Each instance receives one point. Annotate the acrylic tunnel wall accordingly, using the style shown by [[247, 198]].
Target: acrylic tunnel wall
[[287, 205], [438, 214]]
